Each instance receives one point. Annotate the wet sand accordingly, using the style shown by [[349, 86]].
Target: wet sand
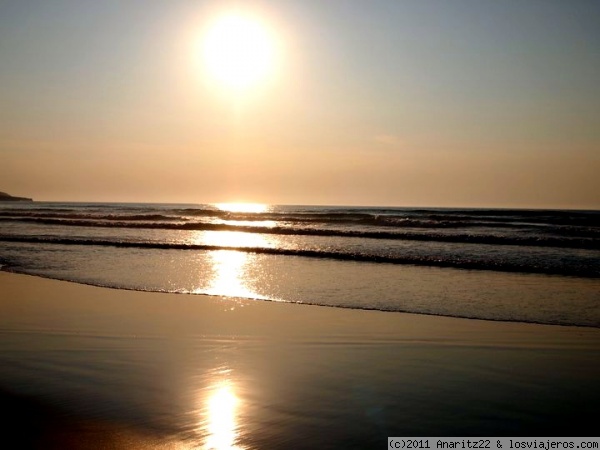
[[90, 367]]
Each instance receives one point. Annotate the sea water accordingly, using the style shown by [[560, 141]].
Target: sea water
[[538, 266]]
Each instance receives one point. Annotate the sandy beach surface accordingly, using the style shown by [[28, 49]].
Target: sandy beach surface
[[91, 367]]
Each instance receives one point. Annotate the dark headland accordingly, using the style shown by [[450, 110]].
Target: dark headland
[[4, 197]]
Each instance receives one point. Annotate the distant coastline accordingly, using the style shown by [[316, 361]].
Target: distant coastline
[[4, 197]]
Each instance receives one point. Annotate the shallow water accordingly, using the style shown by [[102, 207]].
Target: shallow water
[[387, 287]]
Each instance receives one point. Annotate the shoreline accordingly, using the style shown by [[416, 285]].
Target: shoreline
[[145, 362], [8, 270]]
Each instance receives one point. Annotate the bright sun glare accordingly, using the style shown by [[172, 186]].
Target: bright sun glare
[[238, 51], [243, 207]]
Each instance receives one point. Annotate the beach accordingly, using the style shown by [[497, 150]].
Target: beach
[[298, 224], [162, 370]]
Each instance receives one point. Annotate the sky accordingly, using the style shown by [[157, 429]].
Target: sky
[[477, 103]]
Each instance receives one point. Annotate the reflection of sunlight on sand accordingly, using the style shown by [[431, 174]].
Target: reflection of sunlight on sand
[[221, 423]]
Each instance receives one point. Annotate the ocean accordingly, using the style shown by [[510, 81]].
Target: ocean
[[201, 342], [539, 266]]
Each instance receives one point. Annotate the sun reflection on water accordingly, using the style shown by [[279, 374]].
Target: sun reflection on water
[[232, 273], [229, 275], [249, 223], [234, 239], [243, 207]]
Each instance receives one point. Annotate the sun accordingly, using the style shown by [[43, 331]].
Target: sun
[[238, 51]]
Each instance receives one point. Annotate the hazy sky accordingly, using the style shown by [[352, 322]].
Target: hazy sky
[[379, 102]]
